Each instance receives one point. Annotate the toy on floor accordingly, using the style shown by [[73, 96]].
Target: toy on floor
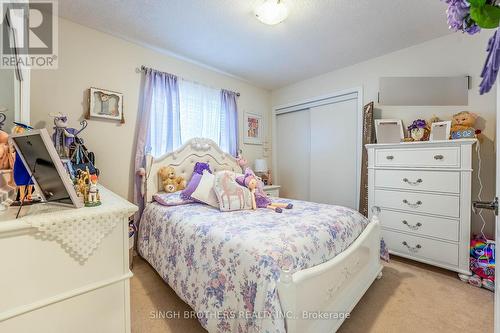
[[482, 263], [259, 198]]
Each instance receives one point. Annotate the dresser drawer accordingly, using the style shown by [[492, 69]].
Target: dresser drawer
[[437, 181], [445, 205], [420, 225], [419, 157], [419, 247]]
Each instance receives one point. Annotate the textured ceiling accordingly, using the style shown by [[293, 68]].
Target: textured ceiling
[[319, 35]]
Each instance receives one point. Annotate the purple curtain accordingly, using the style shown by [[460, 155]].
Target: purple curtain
[[158, 123], [229, 122]]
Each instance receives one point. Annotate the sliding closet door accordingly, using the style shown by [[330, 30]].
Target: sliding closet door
[[293, 131], [333, 162]]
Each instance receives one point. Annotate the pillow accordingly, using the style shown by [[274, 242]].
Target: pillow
[[205, 190], [230, 194], [195, 179], [191, 187], [170, 199]]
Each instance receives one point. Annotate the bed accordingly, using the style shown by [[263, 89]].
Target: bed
[[258, 271]]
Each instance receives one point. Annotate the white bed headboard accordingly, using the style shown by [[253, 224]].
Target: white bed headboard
[[183, 161]]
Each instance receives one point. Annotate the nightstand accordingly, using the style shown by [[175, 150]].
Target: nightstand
[[272, 190]]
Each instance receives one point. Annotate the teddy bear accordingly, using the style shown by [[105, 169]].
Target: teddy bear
[[171, 183], [462, 125]]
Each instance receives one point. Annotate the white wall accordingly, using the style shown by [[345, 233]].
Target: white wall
[[89, 58], [452, 55]]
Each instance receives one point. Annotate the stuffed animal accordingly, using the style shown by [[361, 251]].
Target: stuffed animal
[[462, 125], [419, 130], [259, 198], [171, 183]]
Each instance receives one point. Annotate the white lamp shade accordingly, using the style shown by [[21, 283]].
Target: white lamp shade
[[260, 165], [272, 12]]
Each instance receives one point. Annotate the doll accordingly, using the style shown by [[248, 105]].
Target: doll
[[259, 198], [242, 162], [22, 177], [62, 137], [93, 197]]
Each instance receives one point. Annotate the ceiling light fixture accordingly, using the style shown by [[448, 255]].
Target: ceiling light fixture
[[272, 12]]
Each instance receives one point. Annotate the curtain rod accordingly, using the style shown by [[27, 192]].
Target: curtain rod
[[143, 68]]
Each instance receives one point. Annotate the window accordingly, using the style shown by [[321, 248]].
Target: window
[[200, 111], [178, 110]]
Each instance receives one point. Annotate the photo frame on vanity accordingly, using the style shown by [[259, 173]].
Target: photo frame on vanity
[[440, 130], [45, 168], [389, 130], [253, 129]]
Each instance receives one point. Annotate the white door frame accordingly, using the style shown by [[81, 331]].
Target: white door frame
[[497, 218], [22, 97], [305, 102]]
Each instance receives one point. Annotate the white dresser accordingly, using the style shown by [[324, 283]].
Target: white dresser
[[424, 192], [44, 289]]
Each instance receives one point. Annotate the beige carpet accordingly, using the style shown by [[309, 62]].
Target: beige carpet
[[411, 297]]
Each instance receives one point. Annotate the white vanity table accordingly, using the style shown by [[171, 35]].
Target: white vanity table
[[45, 288]]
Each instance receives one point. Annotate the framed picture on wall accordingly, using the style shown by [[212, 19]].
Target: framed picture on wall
[[253, 129], [105, 104]]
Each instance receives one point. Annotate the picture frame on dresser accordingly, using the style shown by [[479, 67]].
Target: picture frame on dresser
[[440, 130], [389, 130], [45, 169]]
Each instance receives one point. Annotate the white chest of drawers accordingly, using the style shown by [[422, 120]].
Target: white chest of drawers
[[43, 289], [424, 192]]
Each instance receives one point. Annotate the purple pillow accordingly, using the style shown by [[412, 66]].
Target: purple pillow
[[170, 199], [195, 180], [191, 187]]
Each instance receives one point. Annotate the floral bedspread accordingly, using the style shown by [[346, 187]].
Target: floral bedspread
[[226, 265]]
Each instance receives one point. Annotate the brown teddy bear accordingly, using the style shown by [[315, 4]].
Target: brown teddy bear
[[462, 121], [171, 183], [462, 125]]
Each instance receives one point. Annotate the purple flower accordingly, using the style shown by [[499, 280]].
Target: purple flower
[[458, 14], [490, 70]]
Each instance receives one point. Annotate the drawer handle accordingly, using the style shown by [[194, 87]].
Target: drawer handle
[[438, 157], [390, 157], [412, 205], [414, 183], [412, 227], [412, 249]]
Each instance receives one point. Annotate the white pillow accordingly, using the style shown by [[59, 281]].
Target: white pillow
[[205, 190]]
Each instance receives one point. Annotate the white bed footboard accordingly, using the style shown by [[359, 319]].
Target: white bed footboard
[[318, 299]]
